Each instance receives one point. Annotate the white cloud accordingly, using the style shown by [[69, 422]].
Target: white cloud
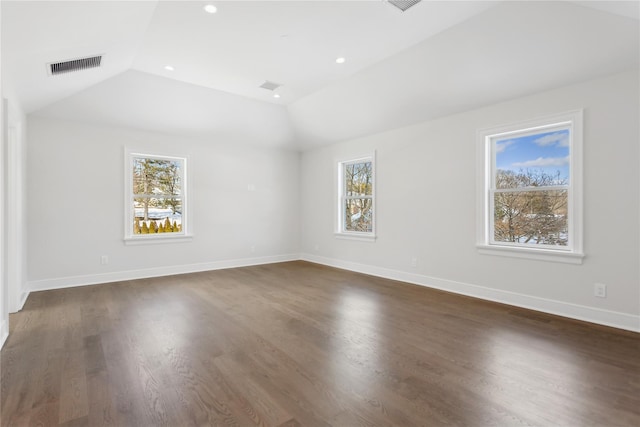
[[502, 145], [560, 138], [543, 162]]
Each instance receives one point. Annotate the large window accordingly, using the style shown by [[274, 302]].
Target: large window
[[356, 200], [156, 197], [530, 196]]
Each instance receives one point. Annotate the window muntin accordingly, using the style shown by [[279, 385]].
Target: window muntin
[[531, 191], [157, 196], [356, 197], [530, 188]]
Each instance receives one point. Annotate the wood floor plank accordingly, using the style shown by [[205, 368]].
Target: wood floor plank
[[73, 393], [298, 344], [256, 400]]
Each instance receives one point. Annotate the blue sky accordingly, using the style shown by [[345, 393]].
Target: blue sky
[[547, 151]]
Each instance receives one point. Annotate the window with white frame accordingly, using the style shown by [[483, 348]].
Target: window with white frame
[[356, 198], [530, 189], [156, 197]]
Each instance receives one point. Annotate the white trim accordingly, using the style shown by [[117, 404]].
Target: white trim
[[15, 217], [183, 236], [4, 284], [4, 332], [156, 239], [362, 237], [574, 311], [117, 276], [573, 252], [339, 231], [23, 299], [557, 255]]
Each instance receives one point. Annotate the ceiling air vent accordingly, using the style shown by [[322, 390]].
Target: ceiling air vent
[[403, 5], [270, 85], [56, 68]]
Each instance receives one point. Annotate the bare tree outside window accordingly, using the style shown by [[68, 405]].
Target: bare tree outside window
[[529, 200], [531, 189], [531, 216], [358, 197]]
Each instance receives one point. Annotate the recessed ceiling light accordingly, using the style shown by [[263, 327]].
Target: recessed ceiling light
[[169, 68], [275, 95], [210, 8], [340, 60]]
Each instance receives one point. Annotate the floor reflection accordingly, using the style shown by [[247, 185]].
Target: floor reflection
[[537, 374], [357, 337]]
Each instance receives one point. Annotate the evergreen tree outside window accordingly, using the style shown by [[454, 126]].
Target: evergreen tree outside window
[[156, 201]]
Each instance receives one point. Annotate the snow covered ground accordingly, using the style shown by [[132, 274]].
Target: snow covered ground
[[158, 215]]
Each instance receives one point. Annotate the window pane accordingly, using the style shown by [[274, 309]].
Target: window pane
[[155, 176], [358, 215], [531, 217], [358, 178], [157, 215], [536, 160]]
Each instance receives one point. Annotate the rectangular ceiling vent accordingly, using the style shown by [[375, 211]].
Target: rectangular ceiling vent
[[57, 68], [270, 85], [403, 5]]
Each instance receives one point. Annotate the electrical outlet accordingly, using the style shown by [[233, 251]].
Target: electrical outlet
[[104, 260], [316, 247], [251, 187], [253, 249], [600, 290], [414, 261]]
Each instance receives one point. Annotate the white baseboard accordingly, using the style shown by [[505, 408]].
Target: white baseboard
[[94, 279], [4, 331], [24, 294], [23, 298], [574, 311]]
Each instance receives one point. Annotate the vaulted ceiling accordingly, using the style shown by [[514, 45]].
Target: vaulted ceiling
[[435, 59]]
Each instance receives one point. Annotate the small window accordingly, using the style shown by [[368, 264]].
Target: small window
[[356, 198], [156, 197], [531, 189]]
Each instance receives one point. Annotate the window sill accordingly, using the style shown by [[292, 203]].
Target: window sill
[[363, 237], [157, 239], [536, 254]]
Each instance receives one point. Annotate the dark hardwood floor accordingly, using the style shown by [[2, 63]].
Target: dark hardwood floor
[[297, 344]]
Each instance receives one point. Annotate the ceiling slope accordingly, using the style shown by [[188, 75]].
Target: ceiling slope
[[144, 101], [439, 58], [294, 43], [35, 33], [512, 50]]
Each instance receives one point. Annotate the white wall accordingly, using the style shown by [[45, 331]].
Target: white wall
[[425, 206], [76, 207], [4, 290], [13, 260], [14, 285], [426, 182], [16, 226]]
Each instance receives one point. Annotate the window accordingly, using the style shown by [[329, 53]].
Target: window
[[530, 189], [156, 197], [356, 198]]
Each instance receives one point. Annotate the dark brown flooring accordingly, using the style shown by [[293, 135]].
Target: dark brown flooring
[[297, 344]]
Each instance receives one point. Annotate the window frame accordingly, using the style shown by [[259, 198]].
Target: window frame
[[485, 241], [340, 231], [129, 211]]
